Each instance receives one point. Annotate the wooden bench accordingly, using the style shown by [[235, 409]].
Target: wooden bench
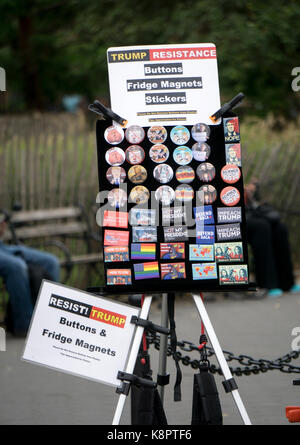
[[54, 227]]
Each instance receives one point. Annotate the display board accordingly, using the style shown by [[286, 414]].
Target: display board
[[172, 207]]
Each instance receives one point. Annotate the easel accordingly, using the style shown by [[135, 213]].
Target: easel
[[229, 383]]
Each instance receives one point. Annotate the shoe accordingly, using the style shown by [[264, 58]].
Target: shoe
[[274, 293], [259, 294], [295, 289]]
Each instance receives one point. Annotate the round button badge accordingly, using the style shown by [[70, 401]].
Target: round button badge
[[201, 151], [115, 156], [114, 135], [139, 195], [200, 132], [157, 134], [230, 173], [159, 153], [207, 194], [182, 155], [116, 175], [137, 174], [165, 194], [184, 193], [230, 196], [180, 135], [163, 173], [135, 134], [117, 198], [206, 172], [135, 154], [185, 174]]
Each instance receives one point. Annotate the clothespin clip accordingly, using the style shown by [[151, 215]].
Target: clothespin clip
[[98, 108], [227, 107]]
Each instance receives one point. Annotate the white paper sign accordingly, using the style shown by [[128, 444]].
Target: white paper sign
[[164, 84], [79, 333]]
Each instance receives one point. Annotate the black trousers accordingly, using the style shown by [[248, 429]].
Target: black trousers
[[272, 254]]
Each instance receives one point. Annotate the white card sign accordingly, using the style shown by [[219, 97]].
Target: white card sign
[[79, 333], [164, 84]]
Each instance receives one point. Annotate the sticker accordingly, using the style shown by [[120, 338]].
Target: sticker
[[180, 135], [115, 219], [144, 234], [117, 198], [163, 173], [207, 194], [200, 132], [116, 238], [176, 233], [137, 174], [114, 135], [231, 129], [115, 156], [143, 251], [159, 153], [165, 194], [228, 232], [233, 154], [135, 134], [226, 252], [115, 254], [172, 251], [201, 252], [172, 271], [232, 215], [205, 271], [230, 173], [173, 216], [201, 151], [206, 172], [204, 214], [233, 274], [185, 174], [230, 196], [205, 234], [134, 154], [118, 276], [116, 175], [182, 155], [142, 217], [157, 134], [139, 195], [184, 193], [146, 271]]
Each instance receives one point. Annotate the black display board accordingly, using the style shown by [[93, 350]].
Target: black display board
[[192, 271]]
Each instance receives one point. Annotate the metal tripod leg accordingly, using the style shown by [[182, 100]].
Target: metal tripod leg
[[220, 356], [132, 357], [162, 363]]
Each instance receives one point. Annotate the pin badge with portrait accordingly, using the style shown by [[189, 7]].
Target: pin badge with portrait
[[115, 156], [116, 175], [206, 172], [157, 134], [137, 174], [163, 173], [180, 135], [182, 155], [117, 198], [139, 195], [135, 134], [207, 194], [135, 154], [200, 132], [185, 174], [159, 153], [230, 173], [201, 151], [231, 129], [165, 194], [230, 196], [114, 135], [184, 193]]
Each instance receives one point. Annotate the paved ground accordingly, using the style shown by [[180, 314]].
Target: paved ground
[[34, 395]]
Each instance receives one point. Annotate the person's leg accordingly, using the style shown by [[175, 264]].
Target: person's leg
[[15, 273], [283, 256], [48, 261], [259, 235]]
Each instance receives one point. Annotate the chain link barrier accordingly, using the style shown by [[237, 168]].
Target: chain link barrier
[[249, 364]]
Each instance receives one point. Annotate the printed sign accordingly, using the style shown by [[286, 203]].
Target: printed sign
[[203, 271], [114, 254], [233, 274], [77, 333], [170, 84], [172, 271], [228, 232], [232, 215]]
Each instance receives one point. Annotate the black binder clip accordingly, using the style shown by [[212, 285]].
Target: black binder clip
[[149, 326], [98, 108], [227, 107], [132, 379]]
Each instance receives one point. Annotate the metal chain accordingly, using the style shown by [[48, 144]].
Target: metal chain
[[250, 365]]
